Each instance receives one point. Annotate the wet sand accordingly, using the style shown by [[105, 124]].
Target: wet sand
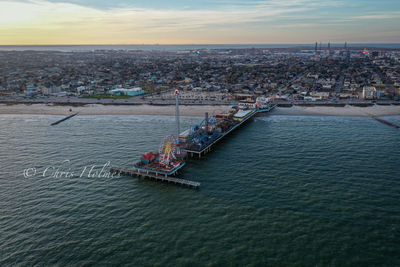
[[187, 110]]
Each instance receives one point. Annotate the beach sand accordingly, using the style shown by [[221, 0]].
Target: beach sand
[[185, 110], [98, 109]]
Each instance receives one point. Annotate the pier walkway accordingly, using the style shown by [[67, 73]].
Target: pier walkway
[[161, 178]]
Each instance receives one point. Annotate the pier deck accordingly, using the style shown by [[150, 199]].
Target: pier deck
[[208, 147], [161, 178]]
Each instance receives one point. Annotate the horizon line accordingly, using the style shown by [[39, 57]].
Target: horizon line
[[312, 43]]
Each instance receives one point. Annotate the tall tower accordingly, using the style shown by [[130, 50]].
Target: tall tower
[[329, 49], [315, 48]]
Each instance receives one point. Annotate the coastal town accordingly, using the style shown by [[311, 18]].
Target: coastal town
[[320, 74], [199, 133]]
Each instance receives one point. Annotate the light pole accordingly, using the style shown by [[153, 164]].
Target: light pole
[[177, 113]]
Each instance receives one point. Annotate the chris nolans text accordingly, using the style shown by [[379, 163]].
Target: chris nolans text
[[64, 170]]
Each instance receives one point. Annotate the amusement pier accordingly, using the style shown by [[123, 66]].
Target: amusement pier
[[165, 164]]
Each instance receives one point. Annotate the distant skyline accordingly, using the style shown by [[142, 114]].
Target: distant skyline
[[52, 22]]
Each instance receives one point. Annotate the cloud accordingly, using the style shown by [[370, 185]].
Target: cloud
[[45, 18], [41, 11], [303, 3], [46, 22], [378, 16], [36, 12]]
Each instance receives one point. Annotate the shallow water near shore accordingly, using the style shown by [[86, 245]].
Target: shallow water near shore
[[282, 190]]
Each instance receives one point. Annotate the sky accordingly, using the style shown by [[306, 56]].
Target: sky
[[52, 22]]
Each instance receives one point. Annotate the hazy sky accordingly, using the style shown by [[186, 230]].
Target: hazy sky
[[198, 22]]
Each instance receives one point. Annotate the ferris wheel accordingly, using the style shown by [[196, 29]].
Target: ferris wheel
[[167, 150]]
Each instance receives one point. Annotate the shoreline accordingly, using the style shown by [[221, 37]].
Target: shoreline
[[191, 110]]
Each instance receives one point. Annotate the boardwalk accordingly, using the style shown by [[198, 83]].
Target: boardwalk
[[162, 178]]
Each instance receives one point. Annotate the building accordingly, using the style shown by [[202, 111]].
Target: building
[[31, 92], [127, 92], [50, 90], [369, 92]]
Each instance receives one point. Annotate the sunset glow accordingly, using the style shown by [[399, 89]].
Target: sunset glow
[[136, 22]]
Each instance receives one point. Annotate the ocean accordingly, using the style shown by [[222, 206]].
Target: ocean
[[282, 190], [85, 48]]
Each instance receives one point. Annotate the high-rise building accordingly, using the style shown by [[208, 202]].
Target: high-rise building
[[329, 49], [316, 48], [369, 92]]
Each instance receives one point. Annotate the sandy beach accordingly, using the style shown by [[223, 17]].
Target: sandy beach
[[98, 109], [187, 110]]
